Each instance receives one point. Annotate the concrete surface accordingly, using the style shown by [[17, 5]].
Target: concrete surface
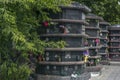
[[111, 72]]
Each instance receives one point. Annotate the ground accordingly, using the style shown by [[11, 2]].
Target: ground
[[111, 72]]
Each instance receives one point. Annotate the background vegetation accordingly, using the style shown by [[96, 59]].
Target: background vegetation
[[108, 9]]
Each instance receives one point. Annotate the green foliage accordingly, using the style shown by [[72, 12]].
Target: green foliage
[[108, 9], [19, 21], [59, 44], [12, 71]]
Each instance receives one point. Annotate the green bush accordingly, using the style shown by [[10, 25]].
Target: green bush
[[12, 71]]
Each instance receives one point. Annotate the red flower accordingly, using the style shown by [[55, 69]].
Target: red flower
[[45, 23]]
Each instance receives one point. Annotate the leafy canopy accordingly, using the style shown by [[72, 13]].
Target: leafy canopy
[[19, 21], [108, 9]]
